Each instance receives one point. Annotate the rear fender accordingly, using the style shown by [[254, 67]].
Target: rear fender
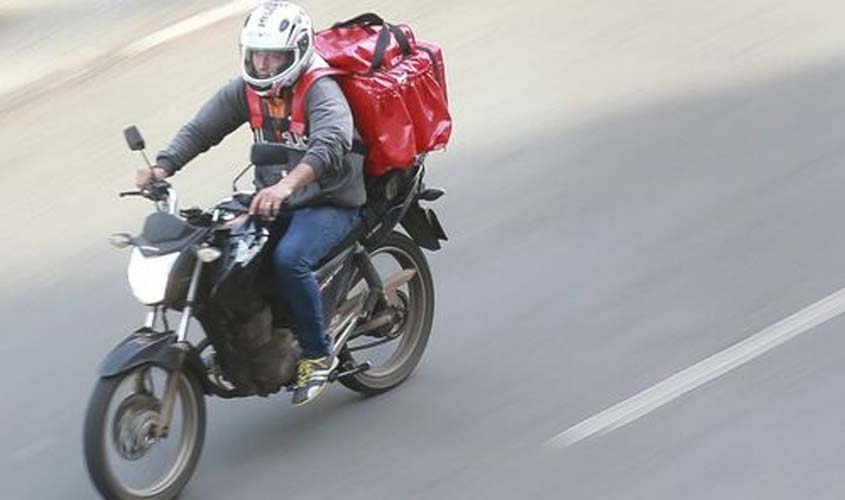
[[424, 227]]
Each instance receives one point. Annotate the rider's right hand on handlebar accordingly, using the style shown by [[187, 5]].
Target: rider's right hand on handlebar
[[146, 176]]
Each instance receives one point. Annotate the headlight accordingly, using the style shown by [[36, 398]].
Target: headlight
[[148, 276]]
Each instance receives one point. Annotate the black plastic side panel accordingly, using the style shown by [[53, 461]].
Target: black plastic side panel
[[397, 204], [388, 222], [423, 227]]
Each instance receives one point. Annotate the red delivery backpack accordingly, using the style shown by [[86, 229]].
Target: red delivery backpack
[[395, 86]]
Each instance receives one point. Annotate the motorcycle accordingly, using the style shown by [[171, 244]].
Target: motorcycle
[[146, 420]]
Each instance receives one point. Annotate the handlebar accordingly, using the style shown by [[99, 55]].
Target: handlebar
[[155, 191], [164, 196], [160, 192]]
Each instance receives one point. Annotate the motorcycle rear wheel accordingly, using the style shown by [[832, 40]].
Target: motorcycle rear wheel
[[418, 298], [117, 433]]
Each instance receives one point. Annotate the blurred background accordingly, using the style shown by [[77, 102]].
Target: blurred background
[[632, 187]]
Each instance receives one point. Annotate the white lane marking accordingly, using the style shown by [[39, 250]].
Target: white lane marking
[[63, 76], [704, 371], [186, 26], [34, 449]]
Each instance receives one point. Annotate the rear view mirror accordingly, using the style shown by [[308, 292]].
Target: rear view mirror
[[134, 138], [267, 153]]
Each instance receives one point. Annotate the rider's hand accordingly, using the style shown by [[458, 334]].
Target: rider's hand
[[268, 201], [146, 175]]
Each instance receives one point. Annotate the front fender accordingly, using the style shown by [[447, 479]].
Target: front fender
[[144, 347]]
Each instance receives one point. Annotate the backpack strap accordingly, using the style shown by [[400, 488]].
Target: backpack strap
[[297, 118], [253, 103]]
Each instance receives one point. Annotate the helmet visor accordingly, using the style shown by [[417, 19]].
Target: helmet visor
[[263, 64]]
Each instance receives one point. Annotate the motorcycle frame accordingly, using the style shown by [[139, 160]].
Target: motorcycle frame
[[173, 351]]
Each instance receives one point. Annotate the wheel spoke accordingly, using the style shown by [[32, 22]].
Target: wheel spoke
[[123, 449], [406, 319], [371, 344]]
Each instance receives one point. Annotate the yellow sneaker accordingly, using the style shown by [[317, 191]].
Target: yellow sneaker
[[312, 378]]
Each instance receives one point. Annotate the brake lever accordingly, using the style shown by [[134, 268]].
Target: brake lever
[[157, 191], [148, 192]]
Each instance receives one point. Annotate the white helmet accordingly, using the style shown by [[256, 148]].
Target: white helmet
[[282, 30]]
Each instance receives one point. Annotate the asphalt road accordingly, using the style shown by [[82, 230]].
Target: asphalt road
[[631, 189]]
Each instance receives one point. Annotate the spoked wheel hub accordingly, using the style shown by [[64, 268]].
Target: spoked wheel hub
[[135, 420], [400, 316], [125, 452], [404, 325]]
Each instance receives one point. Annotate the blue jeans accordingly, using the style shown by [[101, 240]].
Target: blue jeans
[[309, 235]]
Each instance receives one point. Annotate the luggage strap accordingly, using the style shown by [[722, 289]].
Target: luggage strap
[[297, 117]]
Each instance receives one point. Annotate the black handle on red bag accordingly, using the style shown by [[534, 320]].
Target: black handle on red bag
[[366, 19], [371, 19], [384, 40]]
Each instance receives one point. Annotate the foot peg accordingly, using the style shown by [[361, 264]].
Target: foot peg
[[333, 376]]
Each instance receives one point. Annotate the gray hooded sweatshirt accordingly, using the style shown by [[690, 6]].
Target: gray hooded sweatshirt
[[326, 145]]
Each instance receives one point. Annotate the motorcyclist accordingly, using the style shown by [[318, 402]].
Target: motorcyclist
[[321, 184]]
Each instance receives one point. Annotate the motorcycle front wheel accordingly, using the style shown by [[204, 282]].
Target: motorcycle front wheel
[[124, 457]]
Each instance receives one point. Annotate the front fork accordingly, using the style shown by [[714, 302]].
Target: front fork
[[169, 397]]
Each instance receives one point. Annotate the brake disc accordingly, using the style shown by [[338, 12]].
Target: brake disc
[[134, 424]]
